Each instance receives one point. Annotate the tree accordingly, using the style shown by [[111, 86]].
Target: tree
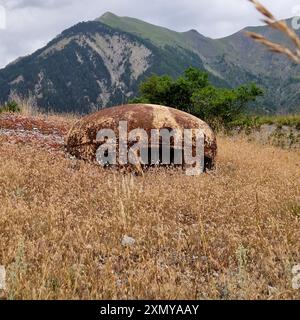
[[193, 93], [164, 90], [223, 105], [155, 90]]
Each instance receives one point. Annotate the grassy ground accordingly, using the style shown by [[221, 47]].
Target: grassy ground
[[230, 234]]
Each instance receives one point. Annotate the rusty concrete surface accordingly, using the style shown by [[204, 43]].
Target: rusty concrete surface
[[81, 140]]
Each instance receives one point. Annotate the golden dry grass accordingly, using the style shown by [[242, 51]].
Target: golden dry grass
[[233, 234]]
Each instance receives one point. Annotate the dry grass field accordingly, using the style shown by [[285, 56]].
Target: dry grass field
[[230, 234]]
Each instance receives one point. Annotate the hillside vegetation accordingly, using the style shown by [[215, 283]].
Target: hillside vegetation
[[257, 121]]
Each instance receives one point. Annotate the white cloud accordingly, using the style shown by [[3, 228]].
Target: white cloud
[[32, 23]]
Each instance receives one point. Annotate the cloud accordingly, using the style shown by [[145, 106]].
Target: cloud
[[33, 23], [15, 4]]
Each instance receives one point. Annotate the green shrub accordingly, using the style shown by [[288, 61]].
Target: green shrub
[[11, 106]]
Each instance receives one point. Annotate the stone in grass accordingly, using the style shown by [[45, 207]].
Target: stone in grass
[[128, 241]]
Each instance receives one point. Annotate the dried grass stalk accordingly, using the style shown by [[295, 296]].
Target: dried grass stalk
[[280, 26]]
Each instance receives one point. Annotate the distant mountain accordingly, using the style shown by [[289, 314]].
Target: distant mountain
[[101, 63]]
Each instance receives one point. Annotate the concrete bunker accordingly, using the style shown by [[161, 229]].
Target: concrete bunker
[[83, 143]]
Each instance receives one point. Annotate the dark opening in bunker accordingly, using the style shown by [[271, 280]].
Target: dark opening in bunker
[[153, 157]]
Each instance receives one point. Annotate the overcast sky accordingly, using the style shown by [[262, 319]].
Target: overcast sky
[[30, 24]]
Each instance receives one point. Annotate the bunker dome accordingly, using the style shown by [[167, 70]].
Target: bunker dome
[[82, 139]]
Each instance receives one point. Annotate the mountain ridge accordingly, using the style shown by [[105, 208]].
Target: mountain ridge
[[100, 63]]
